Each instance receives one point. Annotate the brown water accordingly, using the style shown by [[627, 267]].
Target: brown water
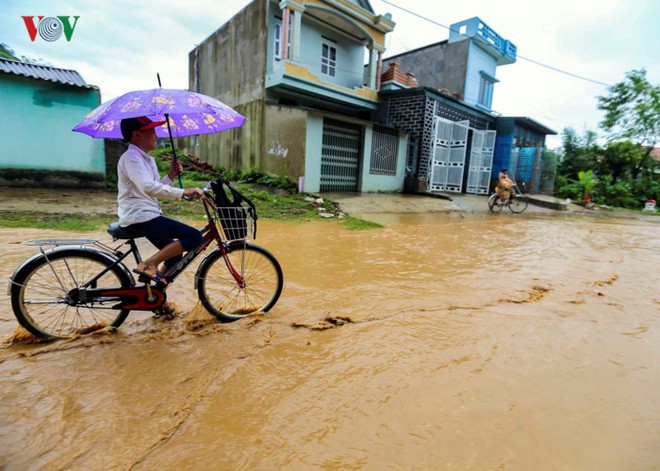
[[439, 342]]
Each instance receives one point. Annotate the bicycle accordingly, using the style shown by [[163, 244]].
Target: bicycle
[[79, 286], [516, 201]]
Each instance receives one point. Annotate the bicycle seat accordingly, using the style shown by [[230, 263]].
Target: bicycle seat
[[118, 232]]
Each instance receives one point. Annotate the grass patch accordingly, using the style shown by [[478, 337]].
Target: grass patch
[[54, 221], [274, 197], [355, 224]]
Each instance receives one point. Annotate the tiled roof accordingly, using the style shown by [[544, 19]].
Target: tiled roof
[[41, 72], [655, 153]]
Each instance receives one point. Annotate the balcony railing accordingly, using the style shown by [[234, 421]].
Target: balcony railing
[[475, 28]]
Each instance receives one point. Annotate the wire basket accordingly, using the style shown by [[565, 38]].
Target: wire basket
[[236, 223], [232, 222]]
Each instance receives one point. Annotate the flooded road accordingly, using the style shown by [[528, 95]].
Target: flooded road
[[442, 341]]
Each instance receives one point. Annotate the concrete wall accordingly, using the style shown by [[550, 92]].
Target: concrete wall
[[284, 141], [456, 67], [479, 61], [373, 183], [314, 139], [35, 126], [427, 63], [441, 65], [230, 65], [234, 149]]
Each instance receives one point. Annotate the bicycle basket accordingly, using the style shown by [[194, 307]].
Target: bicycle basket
[[234, 222], [235, 212]]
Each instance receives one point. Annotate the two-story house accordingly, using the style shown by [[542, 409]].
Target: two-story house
[[295, 69], [457, 142]]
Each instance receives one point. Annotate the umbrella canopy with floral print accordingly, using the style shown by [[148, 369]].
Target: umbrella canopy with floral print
[[189, 114]]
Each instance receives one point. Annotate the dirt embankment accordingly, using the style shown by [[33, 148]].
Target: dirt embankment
[[58, 200]]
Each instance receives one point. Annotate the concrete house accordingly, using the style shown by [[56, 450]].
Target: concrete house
[[296, 70], [40, 105], [458, 143]]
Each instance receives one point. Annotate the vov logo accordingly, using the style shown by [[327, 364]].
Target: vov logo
[[50, 28]]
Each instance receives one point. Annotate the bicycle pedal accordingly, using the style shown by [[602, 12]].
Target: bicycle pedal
[[145, 279], [148, 280]]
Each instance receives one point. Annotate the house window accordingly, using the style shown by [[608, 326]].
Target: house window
[[384, 148], [486, 89], [485, 92], [278, 42], [328, 60]]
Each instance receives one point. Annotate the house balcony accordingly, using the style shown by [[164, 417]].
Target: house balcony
[[291, 80], [503, 50]]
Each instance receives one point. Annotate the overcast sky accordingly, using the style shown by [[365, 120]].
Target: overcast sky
[[120, 45]]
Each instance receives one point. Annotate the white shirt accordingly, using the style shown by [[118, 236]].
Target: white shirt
[[139, 184]]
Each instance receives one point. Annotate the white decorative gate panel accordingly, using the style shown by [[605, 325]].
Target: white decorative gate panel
[[481, 162], [448, 159]]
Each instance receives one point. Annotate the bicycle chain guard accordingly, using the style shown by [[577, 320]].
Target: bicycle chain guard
[[137, 298]]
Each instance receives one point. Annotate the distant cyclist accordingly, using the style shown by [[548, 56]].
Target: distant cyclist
[[505, 186]]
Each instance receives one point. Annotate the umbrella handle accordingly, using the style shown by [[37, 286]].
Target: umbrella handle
[[187, 198], [174, 159]]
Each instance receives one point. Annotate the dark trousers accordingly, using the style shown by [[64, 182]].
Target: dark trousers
[[162, 231]]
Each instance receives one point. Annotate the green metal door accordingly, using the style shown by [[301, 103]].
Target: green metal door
[[340, 156]]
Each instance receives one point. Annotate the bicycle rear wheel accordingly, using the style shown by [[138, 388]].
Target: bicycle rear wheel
[[47, 300], [222, 296], [494, 203], [518, 204]]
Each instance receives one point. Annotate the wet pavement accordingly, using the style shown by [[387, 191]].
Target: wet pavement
[[364, 203]]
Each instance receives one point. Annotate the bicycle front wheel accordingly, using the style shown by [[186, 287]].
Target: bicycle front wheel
[[494, 203], [230, 301], [47, 294], [518, 204]]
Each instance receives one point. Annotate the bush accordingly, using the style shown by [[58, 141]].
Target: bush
[[280, 181], [647, 188], [618, 194], [573, 190]]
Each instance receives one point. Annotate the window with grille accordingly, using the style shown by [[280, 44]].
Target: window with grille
[[328, 60], [384, 150]]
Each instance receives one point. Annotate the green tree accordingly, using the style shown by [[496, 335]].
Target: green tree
[[619, 160], [632, 112], [577, 153], [588, 181], [6, 52]]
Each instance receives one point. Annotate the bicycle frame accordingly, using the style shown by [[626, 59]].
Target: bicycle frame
[[73, 287], [148, 297]]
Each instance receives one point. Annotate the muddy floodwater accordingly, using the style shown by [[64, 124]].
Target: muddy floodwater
[[439, 342]]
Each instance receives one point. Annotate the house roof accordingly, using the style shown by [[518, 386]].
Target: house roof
[[411, 51], [532, 124], [655, 153], [42, 72]]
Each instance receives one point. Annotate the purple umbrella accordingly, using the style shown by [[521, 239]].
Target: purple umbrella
[[189, 114]]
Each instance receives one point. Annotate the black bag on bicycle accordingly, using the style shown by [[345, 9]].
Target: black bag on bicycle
[[231, 210]]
